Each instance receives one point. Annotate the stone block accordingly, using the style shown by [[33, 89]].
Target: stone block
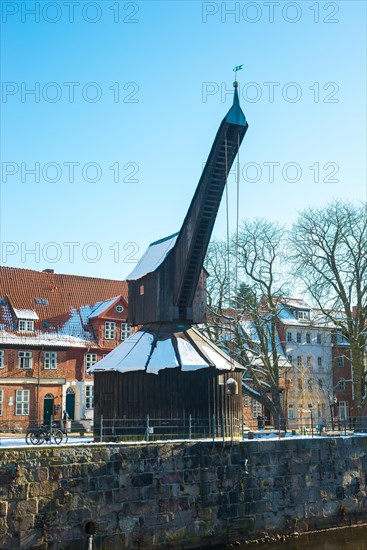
[[3, 509], [142, 480]]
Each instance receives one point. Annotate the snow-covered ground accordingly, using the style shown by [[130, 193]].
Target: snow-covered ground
[[19, 441], [13, 442]]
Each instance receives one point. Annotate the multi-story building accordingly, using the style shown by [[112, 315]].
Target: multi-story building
[[306, 336], [53, 327]]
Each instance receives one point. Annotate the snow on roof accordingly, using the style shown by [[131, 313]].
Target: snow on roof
[[102, 307], [25, 314], [163, 357], [43, 339], [152, 349], [120, 358], [153, 257], [190, 359]]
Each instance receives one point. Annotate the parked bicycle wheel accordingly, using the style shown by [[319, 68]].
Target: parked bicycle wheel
[[35, 437], [57, 436]]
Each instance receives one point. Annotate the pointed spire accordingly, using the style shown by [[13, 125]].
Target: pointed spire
[[235, 114]]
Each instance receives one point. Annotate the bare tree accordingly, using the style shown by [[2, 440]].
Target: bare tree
[[261, 260], [248, 329], [329, 252]]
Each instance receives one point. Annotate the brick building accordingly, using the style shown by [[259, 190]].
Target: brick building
[[53, 327], [344, 405]]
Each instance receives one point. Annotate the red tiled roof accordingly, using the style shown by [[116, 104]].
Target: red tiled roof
[[65, 294]]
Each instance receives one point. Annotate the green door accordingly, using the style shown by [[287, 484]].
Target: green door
[[70, 404], [48, 407]]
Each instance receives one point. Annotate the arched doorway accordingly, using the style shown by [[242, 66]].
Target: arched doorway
[[70, 403], [48, 408]]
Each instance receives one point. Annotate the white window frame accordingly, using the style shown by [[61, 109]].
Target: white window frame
[[90, 359], [89, 397], [119, 309], [341, 384], [125, 331], [343, 410], [299, 361], [290, 359], [299, 337], [318, 338], [319, 361], [256, 408], [308, 338], [25, 358], [50, 360], [292, 412], [1, 358], [22, 399], [309, 360], [303, 315], [25, 325], [110, 330], [1, 401], [289, 336], [246, 400]]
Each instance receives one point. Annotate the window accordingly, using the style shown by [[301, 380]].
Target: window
[[292, 412], [343, 410], [25, 326], [289, 336], [310, 386], [300, 385], [341, 384], [318, 338], [308, 338], [50, 360], [290, 358], [320, 383], [341, 361], [125, 331], [299, 361], [309, 361], [89, 397], [303, 314], [22, 402], [1, 358], [1, 401], [25, 359], [319, 361], [246, 400], [90, 359], [109, 330], [299, 337], [119, 309], [256, 408]]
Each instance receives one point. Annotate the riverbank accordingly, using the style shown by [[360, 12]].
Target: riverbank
[[179, 494]]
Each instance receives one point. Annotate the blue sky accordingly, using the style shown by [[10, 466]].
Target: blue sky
[[303, 90]]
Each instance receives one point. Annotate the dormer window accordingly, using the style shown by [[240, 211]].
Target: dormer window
[[25, 325], [303, 315]]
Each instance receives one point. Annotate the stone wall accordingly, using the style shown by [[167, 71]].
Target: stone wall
[[178, 495]]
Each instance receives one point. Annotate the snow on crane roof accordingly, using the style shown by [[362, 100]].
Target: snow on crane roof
[[153, 257], [156, 348]]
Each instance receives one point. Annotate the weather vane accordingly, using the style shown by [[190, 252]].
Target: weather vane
[[237, 68]]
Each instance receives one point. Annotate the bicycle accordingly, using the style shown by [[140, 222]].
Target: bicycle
[[45, 434]]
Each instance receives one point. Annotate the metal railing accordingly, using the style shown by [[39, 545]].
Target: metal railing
[[154, 429]]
